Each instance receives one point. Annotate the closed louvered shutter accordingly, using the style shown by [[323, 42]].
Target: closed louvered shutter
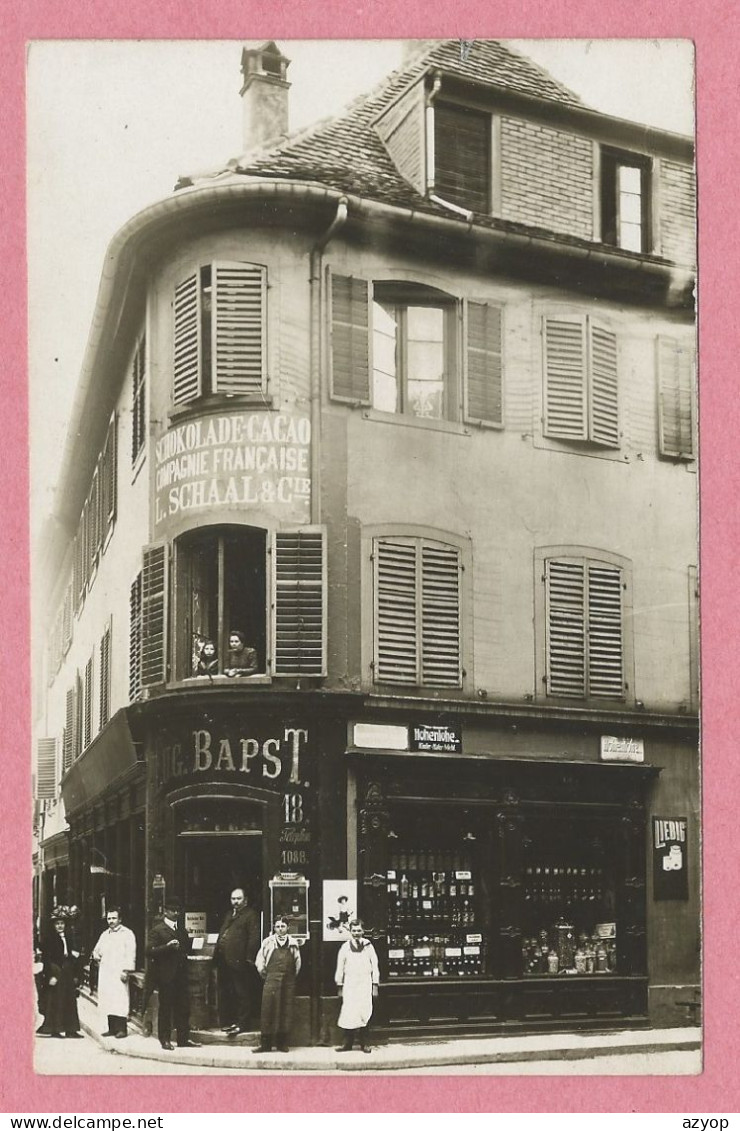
[[138, 405], [565, 634], [565, 378], [396, 614], [584, 629], [67, 620], [105, 678], [154, 616], [78, 717], [69, 730], [110, 476], [239, 291], [675, 397], [134, 669], [299, 602], [46, 769], [93, 511], [87, 709], [350, 339], [187, 375], [605, 651], [462, 147], [440, 615], [78, 571], [484, 376], [603, 407]]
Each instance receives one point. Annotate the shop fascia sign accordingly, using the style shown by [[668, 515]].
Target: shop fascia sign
[[419, 738], [206, 750], [622, 749]]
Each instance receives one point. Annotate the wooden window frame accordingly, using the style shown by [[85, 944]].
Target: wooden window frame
[[611, 161], [459, 198]]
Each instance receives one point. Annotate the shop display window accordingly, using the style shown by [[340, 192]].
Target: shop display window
[[434, 927], [570, 913]]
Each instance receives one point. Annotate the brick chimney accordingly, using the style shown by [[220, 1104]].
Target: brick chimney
[[264, 95]]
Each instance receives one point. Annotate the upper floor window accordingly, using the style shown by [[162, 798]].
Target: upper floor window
[[417, 612], [675, 397], [462, 156], [97, 517], [581, 388], [138, 406], [105, 680], [585, 627], [625, 200], [241, 603], [415, 351], [219, 326]]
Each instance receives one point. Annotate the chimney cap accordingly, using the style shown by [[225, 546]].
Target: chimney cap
[[264, 59]]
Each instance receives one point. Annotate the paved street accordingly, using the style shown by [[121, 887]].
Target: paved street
[[86, 1058]]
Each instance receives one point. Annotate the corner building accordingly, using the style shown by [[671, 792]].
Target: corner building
[[408, 399]]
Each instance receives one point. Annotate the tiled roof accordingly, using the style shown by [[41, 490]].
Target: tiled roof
[[345, 152]]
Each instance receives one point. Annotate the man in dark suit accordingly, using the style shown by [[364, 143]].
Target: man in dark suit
[[168, 951], [234, 954]]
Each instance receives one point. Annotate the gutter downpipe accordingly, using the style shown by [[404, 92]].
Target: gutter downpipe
[[315, 261], [429, 128]]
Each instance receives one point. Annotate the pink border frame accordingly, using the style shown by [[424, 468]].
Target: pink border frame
[[713, 27]]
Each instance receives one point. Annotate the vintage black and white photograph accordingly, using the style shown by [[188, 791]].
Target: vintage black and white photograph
[[364, 493]]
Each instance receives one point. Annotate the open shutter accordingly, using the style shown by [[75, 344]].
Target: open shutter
[[46, 769], [78, 720], [87, 705], [187, 375], [350, 339], [440, 615], [105, 678], [69, 731], [299, 602], [675, 397], [603, 401], [154, 616], [134, 668], [565, 605], [401, 129], [239, 291], [110, 476], [565, 378], [484, 375], [396, 614], [605, 646]]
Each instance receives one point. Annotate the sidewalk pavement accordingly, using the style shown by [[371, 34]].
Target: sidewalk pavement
[[394, 1057]]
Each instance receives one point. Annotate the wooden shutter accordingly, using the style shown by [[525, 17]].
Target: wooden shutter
[[401, 128], [565, 378], [239, 361], [78, 720], [675, 397], [350, 339], [187, 374], [46, 769], [87, 705], [440, 615], [396, 612], [69, 730], [105, 659], [93, 511], [110, 475], [138, 406], [154, 616], [484, 375], [565, 604], [462, 147], [299, 602], [67, 620], [605, 645], [135, 641], [603, 400]]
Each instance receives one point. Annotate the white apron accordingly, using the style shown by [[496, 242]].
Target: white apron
[[356, 973], [115, 952]]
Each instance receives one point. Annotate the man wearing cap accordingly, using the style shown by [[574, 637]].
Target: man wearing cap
[[168, 951], [115, 953]]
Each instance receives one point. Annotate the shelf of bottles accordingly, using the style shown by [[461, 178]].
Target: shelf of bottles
[[567, 928], [433, 929]]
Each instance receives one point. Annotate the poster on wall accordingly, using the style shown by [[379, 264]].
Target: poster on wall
[[340, 908], [670, 850]]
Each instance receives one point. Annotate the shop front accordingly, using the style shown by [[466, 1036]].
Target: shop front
[[503, 893]]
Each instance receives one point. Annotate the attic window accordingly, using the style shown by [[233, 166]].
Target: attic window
[[625, 197], [462, 157]]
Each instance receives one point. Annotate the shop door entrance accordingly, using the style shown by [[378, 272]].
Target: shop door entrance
[[214, 864]]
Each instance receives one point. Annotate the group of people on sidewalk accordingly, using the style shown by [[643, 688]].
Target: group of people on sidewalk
[[276, 961]]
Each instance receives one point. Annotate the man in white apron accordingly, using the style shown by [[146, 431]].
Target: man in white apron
[[357, 980], [115, 953]]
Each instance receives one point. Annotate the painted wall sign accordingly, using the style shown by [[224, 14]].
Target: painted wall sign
[[240, 459], [257, 760], [622, 749], [435, 739], [670, 858]]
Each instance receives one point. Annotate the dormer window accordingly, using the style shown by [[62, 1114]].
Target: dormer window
[[462, 157], [625, 195]]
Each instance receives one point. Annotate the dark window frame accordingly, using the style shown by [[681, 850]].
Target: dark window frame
[[612, 160]]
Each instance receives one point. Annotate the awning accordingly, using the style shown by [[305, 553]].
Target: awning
[[111, 755]]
